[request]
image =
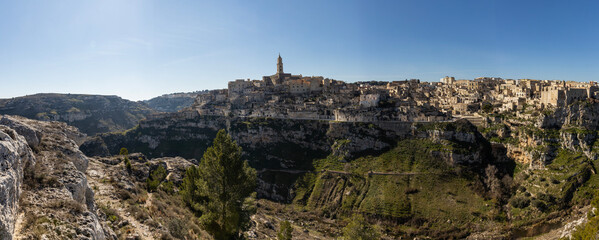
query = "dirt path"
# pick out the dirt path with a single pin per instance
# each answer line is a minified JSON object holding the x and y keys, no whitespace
{"x":105,"y":195}
{"x":291,"y":171}
{"x":342,"y":172}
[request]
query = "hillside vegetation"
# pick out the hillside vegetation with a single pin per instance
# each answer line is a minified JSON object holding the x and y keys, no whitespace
{"x":90,"y":113}
{"x":518,"y":174}
{"x":407,"y":187}
{"x":171,"y":102}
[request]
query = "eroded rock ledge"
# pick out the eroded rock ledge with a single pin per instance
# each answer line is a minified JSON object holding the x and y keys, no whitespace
{"x":43,"y":187}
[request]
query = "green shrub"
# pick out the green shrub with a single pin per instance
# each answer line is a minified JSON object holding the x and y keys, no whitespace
{"x":128,"y":165}
{"x":168,"y":187}
{"x":111,"y":214}
{"x":547,"y":198}
{"x":540,"y":205}
{"x":124,"y":152}
{"x":155,"y":178}
{"x":487,"y":107}
{"x":113,"y":218}
{"x":520,"y":202}
{"x":358,"y":228}
{"x":285,"y":231}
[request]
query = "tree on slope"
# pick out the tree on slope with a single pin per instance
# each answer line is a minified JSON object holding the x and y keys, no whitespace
{"x":222,"y":189}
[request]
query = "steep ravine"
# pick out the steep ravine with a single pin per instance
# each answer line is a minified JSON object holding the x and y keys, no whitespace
{"x":555,"y":151}
{"x":275,"y":144}
{"x":433,"y":179}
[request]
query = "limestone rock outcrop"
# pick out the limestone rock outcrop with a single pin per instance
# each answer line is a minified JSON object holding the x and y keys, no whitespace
{"x":465,"y":145}
{"x":43,"y":186}
{"x":572,"y":127}
{"x":14,"y":155}
{"x":273,"y":146}
{"x":582,"y":113}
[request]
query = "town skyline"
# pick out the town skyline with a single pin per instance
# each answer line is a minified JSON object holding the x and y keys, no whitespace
{"x":139,"y":50}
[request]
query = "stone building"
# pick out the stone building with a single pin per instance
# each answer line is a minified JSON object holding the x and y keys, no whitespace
{"x":448,"y":80}
{"x":560,"y":93}
{"x":280,"y":77}
{"x":284,"y":95}
{"x":370,"y":100}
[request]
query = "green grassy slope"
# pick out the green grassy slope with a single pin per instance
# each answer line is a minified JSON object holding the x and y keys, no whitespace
{"x":424,"y":194}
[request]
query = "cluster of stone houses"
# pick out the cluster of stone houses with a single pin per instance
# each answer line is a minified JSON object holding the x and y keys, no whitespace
{"x":284,"y":95}
{"x":509,"y":94}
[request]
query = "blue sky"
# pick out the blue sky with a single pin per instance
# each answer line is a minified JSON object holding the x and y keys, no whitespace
{"x":142,"y":49}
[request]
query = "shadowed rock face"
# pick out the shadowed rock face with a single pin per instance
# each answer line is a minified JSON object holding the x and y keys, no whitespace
{"x":90,"y":113}
{"x":267,"y":143}
{"x":43,"y":180}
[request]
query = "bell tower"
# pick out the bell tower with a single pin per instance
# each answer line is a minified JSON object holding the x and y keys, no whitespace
{"x":280,"y":65}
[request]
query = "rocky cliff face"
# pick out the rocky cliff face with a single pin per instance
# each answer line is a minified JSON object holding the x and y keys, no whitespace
{"x":267,"y":143}
{"x":15,"y":154}
{"x":583,"y":113}
{"x":90,"y":113}
{"x":577,"y":125}
{"x":573,"y":127}
{"x":464,"y":144}
{"x":44,"y":183}
{"x":279,"y":144}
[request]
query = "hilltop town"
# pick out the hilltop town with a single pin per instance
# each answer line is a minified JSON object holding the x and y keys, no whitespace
{"x":487,"y":158}
{"x":284,"y":95}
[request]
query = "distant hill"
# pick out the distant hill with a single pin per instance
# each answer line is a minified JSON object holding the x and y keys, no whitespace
{"x":172,"y":102}
{"x":90,"y":113}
